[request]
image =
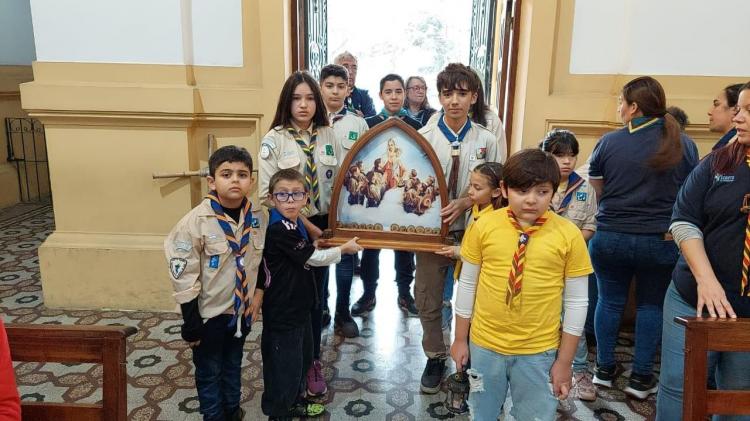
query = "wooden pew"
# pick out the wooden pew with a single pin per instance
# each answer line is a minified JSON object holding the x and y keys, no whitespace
{"x":76,"y":344}
{"x":702,"y":335}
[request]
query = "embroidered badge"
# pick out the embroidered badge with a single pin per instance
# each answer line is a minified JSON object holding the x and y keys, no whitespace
{"x":254,"y":223}
{"x":353,"y":135}
{"x":329,"y":174}
{"x":472,"y":157}
{"x":184,"y":246}
{"x":581,"y":196}
{"x":481,"y":153}
{"x":329,"y":150}
{"x":177,"y":265}
{"x":265,"y":151}
{"x":213,"y":262}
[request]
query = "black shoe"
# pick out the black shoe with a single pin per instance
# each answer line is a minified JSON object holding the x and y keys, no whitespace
{"x":237,"y":415}
{"x":325,"y":319}
{"x":432,"y":375}
{"x":345,"y":325}
{"x":406,"y":303}
{"x":604,"y":376}
{"x":363,"y":305}
{"x":640,"y":386}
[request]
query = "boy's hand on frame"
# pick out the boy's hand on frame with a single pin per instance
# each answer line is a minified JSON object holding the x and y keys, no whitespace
{"x":351,"y":246}
{"x":561,"y":376}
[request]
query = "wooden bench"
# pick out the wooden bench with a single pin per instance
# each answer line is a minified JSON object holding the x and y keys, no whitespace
{"x":701,"y":336}
{"x":76,"y":344}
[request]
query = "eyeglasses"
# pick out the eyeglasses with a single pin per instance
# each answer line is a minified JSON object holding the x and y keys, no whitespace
{"x":417,"y":88}
{"x":284,"y":196}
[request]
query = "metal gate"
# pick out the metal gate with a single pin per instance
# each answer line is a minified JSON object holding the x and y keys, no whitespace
{"x":27,"y":149}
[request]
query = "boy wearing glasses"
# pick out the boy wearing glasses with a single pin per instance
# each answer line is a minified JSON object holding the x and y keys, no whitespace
{"x":287,"y":292}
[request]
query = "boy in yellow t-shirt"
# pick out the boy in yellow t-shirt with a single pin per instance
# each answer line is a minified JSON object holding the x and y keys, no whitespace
{"x":519,"y":262}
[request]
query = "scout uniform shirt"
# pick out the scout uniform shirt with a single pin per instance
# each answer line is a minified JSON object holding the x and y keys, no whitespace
{"x":348,"y":128}
{"x":575,"y":200}
{"x":279,"y":150}
{"x":478,"y":146}
{"x":201,"y":263}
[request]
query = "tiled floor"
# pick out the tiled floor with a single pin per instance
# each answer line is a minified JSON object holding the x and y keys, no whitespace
{"x":374,"y":377}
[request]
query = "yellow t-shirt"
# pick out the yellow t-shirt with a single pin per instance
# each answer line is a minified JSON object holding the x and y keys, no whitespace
{"x":556,"y":252}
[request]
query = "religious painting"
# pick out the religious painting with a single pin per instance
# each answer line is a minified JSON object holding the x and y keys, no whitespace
{"x":389,"y":192}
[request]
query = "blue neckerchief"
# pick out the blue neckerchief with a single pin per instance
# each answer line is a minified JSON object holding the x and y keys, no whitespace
{"x":275,"y":216}
{"x":448,"y":133}
{"x":725,"y":139}
{"x":574,"y":181}
{"x":401,"y":113}
{"x":639,"y":123}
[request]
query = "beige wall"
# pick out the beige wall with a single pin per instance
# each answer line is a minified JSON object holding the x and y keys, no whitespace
{"x":548,"y":96}
{"x":10,"y":106}
{"x":110,"y":126}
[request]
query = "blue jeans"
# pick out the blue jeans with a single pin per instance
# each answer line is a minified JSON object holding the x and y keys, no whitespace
{"x":370,"y":271}
{"x":527,"y":375}
{"x":218,"y":360}
{"x":732,"y":371}
{"x":617,"y":258}
{"x":448,"y":296}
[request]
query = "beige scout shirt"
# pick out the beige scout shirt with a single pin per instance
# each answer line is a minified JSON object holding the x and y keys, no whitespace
{"x":582,"y":207}
{"x":190,"y":249}
{"x":478,"y":146}
{"x":348,"y":130}
{"x":279,"y":150}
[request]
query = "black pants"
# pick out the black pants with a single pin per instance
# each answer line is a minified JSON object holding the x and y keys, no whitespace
{"x":287,"y":355}
{"x":321,"y":284}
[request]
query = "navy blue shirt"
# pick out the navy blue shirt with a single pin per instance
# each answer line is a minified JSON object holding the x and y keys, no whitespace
{"x":636,"y":198}
{"x":379,"y":118}
{"x":724,"y":141}
{"x":360,"y":100}
{"x":712,"y":202}
{"x":423,"y":116}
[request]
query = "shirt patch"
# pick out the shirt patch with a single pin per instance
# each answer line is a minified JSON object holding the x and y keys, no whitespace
{"x":265,"y":151}
{"x":184,"y":246}
{"x":581,"y":196}
{"x":481,"y":153}
{"x":353,"y":135}
{"x":254,"y":223}
{"x":329,"y":150}
{"x":213,"y":262}
{"x":719,"y":178}
{"x":329,"y":174}
{"x":177,"y":266}
{"x":472,"y":157}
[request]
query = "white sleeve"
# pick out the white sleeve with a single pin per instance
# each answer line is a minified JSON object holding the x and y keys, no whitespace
{"x":325,"y":257}
{"x":466,"y":290}
{"x":576,"y":303}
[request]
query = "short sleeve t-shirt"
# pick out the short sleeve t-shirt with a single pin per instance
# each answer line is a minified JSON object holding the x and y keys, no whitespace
{"x":637,"y":199}
{"x":556,"y":252}
{"x":712,"y":202}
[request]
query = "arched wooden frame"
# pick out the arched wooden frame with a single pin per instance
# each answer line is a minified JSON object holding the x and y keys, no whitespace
{"x":407,"y":241}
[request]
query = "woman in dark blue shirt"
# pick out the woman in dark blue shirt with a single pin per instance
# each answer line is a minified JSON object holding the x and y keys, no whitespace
{"x":636,"y":172}
{"x":709,"y":223}
{"x":416,"y":103}
{"x":721,"y":112}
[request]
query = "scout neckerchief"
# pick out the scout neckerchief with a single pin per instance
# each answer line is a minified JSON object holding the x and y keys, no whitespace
{"x":724,"y":141}
{"x":746,"y":251}
{"x":337,"y":116}
{"x":401,"y":113}
{"x":455,"y":142}
{"x":639,"y":123}
{"x":239,"y":247}
{"x":574,"y":182}
{"x":515,"y":278}
{"x":311,"y":171}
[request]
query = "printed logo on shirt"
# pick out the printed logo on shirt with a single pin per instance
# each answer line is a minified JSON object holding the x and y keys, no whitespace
{"x":213,"y":262}
{"x":353,"y":135}
{"x":581,"y":196}
{"x":481,"y":153}
{"x":720,"y":178}
{"x":290,"y":226}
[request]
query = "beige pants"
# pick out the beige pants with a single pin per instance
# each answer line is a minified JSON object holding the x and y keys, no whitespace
{"x":428,"y":296}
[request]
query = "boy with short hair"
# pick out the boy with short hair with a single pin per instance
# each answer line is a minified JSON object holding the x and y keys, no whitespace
{"x":460,"y":146}
{"x":515,"y":325}
{"x":287,"y":291}
{"x":347,"y":127}
{"x":393,"y":94}
{"x":213,"y":254}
